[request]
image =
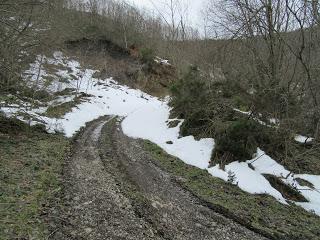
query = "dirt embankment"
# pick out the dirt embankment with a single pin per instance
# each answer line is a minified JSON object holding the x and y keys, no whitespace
{"x":123,"y":65}
{"x":114,"y":191}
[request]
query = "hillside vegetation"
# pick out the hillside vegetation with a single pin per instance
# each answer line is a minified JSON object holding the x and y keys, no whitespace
{"x":253,"y":87}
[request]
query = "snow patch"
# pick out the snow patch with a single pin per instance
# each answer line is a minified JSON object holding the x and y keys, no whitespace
{"x":162,"y":61}
{"x":302,"y":139}
{"x":149,"y":122}
{"x":252,"y":181}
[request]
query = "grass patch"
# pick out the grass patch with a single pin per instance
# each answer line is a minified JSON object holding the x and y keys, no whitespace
{"x":30,"y":169}
{"x":66,"y":91}
{"x":303,"y":182}
{"x":287,"y":191}
{"x":58,"y":111}
{"x":261,"y":213}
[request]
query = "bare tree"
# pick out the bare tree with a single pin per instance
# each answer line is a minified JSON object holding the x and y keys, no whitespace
{"x":16,"y":24}
{"x":278,"y":36}
{"x":174,"y":14}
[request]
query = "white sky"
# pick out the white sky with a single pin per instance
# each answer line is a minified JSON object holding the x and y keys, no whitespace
{"x":194,"y":8}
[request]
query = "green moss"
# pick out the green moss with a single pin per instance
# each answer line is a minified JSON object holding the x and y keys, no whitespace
{"x":30,"y":169}
{"x":259,"y":212}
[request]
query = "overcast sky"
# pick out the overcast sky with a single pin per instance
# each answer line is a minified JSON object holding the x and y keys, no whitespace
{"x":194,"y":8}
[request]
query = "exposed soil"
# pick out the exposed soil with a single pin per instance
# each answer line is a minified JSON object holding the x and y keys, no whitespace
{"x":99,"y":45}
{"x":114,"y":191}
{"x":113,"y":60}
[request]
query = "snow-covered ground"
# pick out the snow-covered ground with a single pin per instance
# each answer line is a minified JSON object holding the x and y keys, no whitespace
{"x":146,"y":117}
{"x":253,"y":181}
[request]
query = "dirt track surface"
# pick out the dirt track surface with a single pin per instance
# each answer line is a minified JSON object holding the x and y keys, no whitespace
{"x":114,"y":191}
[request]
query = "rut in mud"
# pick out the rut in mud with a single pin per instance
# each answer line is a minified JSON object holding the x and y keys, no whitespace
{"x":114,"y":191}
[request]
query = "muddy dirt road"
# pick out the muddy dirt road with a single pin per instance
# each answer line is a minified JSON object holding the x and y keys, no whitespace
{"x":114,"y":191}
